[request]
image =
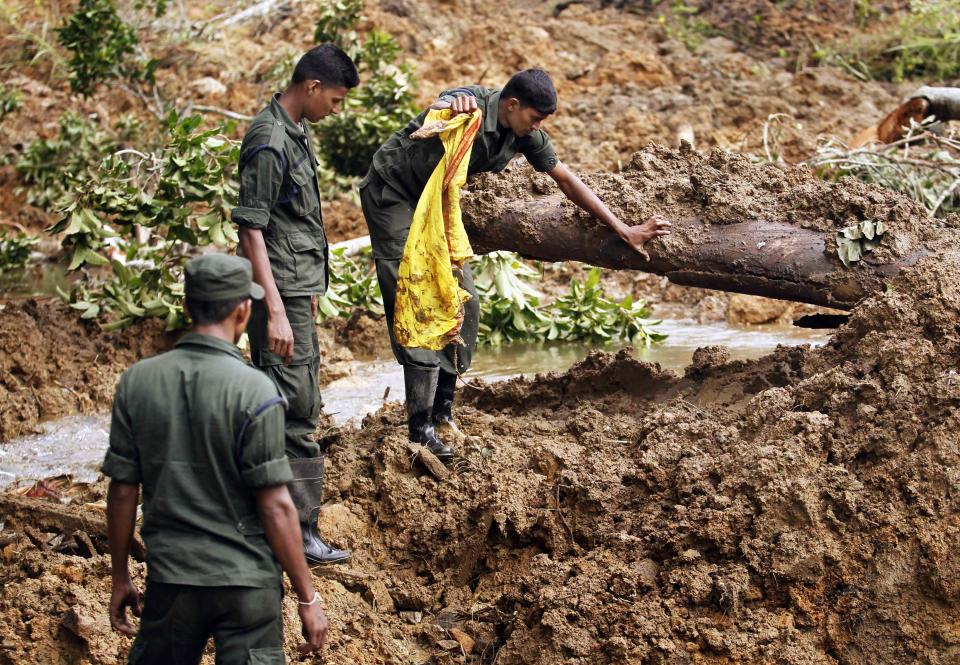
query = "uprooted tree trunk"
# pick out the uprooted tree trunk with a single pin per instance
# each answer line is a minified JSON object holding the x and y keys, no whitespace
{"x":763,"y":230}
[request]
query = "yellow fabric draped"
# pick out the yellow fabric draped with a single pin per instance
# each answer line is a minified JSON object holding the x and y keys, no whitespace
{"x":429,"y":306}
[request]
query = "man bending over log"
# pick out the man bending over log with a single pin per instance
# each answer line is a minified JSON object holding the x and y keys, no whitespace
{"x":389,"y":194}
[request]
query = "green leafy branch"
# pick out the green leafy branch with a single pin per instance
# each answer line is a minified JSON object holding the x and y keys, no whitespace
{"x":381,"y":105}
{"x":15,"y":251}
{"x":141,"y":214}
{"x":52,"y":167}
{"x":353,"y":283}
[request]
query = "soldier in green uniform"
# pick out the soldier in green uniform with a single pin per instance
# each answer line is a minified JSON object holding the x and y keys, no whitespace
{"x":389,"y":194}
{"x":202,"y":432}
{"x":281,"y":232}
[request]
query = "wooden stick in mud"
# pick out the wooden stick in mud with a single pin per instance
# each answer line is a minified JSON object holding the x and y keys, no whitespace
{"x":776,"y":260}
{"x":45,"y":515}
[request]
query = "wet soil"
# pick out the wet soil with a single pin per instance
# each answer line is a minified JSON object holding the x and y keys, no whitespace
{"x":799,"y":508}
{"x":53,"y":364}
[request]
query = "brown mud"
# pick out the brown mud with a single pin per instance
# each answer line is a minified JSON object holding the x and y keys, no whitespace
{"x":800,"y":508}
{"x":53,"y":364}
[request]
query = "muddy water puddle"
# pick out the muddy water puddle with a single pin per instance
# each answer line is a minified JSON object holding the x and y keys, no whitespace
{"x":75,"y":445}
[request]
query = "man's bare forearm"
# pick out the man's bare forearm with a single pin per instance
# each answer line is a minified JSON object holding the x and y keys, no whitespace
{"x":578,"y":192}
{"x":255,"y":249}
{"x":282,"y":530}
{"x":121,"y":522}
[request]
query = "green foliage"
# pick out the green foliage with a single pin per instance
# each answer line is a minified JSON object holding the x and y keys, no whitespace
{"x":103,"y":47}
{"x":510,"y":310}
{"x":353,"y":283}
{"x":683,"y":23}
{"x":337,"y":22}
{"x":925,"y":45}
{"x":14,"y":251}
{"x":587,"y":315}
{"x":10,"y":100}
{"x":179,"y":192}
{"x":509,"y":306}
{"x":50,"y":167}
{"x":381,"y":105}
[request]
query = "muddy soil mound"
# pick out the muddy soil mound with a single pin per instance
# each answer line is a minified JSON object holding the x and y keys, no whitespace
{"x":53,"y":364}
{"x":795,"y":509}
{"x":800,"y":508}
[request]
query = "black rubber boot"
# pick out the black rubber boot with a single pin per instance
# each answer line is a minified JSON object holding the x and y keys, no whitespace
{"x":420,"y":384}
{"x":306,"y":490}
{"x":443,"y":409}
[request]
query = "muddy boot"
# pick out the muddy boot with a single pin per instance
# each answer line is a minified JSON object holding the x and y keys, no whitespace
{"x":443,"y":409}
{"x":306,"y":490}
{"x":420,"y":384}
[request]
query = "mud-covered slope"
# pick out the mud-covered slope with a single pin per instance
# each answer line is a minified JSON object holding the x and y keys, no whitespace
{"x":801,"y":508}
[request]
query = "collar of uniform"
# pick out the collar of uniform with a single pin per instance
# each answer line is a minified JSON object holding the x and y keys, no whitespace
{"x":491,"y":120}
{"x":209,"y":342}
{"x":295,"y":130}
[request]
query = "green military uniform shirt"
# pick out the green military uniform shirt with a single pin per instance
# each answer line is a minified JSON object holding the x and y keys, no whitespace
{"x":279,"y":194}
{"x":176,"y":421}
{"x":405,"y":164}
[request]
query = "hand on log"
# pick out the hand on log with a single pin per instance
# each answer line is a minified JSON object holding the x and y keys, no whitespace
{"x":638,"y":236}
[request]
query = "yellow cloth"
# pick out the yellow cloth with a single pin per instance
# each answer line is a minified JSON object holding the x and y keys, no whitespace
{"x":429,"y":306}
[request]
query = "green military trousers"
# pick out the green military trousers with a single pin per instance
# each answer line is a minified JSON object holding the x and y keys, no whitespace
{"x":388,"y":215}
{"x":246,"y":624}
{"x":297,"y":380}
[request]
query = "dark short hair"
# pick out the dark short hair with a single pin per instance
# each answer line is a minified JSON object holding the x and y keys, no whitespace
{"x":328,"y":64}
{"x":532,"y":87}
{"x":208,"y":312}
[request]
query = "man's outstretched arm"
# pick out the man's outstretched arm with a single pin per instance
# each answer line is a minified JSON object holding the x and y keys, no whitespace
{"x":121,"y":521}
{"x":282,"y":530}
{"x":578,"y":192}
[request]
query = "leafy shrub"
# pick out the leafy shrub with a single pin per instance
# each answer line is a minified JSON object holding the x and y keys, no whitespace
{"x":925,"y":45}
{"x":510,"y":309}
{"x":353,"y":283}
{"x":103,"y":47}
{"x":587,"y":315}
{"x":10,"y":100}
{"x":381,"y":105}
{"x":14,"y":250}
{"x":51,"y":167}
{"x":509,"y":306}
{"x":179,"y":191}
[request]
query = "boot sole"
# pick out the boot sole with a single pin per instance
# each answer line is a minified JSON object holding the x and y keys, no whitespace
{"x":313,"y":563}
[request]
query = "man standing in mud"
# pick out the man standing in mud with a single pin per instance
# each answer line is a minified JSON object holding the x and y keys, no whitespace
{"x":202,"y":432}
{"x":389,"y":194}
{"x":281,"y":232}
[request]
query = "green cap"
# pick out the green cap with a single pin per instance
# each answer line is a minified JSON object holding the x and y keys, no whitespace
{"x":216,"y":277}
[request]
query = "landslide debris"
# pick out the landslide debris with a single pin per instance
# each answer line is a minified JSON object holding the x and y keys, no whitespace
{"x":799,"y":508}
{"x":54,"y":364}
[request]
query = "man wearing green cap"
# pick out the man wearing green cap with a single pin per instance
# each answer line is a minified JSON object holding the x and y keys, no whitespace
{"x":203,"y":434}
{"x":281,"y":232}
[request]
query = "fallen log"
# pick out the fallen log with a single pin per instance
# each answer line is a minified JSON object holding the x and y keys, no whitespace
{"x":758,"y":229}
{"x":43,"y":515}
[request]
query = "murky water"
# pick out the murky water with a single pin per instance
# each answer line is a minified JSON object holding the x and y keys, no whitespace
{"x":39,"y":279}
{"x":75,"y":445}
